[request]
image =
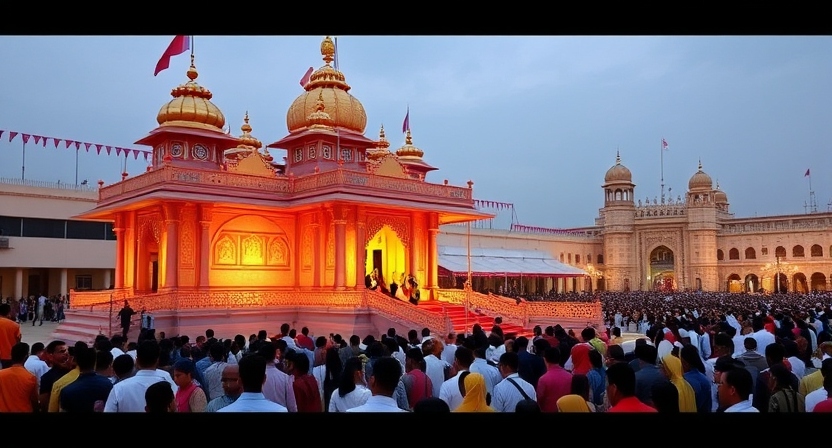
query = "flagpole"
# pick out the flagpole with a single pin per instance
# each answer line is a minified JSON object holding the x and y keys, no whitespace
{"x":23,"y":168}
{"x":661,"y":151}
{"x":192,"y":47}
{"x":76,"y":166}
{"x":468,"y":285}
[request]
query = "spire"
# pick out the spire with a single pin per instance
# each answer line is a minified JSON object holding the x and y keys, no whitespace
{"x":700,"y":164}
{"x":192,"y":73}
{"x":320,"y":118}
{"x":328,"y":50}
{"x":617,"y":157}
{"x":408,"y":140}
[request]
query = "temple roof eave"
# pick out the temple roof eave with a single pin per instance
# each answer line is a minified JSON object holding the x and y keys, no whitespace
{"x":346,"y":137}
{"x":157,"y":134}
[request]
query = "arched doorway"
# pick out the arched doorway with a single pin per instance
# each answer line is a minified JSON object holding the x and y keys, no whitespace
{"x":818,"y":282}
{"x":800,"y":283}
{"x":734,"y":283}
{"x":662,"y":268}
{"x":386,"y":252}
{"x":751,"y":283}
{"x":782,"y":284}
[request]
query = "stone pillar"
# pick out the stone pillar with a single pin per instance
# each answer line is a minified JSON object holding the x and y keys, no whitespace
{"x":340,"y":249}
{"x":204,"y":244}
{"x":318,"y":257}
{"x":433,"y":257}
{"x":415,"y":249}
{"x":360,"y":247}
{"x":63,"y":290}
{"x":108,"y":278}
{"x":18,"y":283}
{"x":119,"y":231}
{"x":171,"y":259}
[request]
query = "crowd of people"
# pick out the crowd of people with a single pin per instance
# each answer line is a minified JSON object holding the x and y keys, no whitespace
{"x":695,"y":352}
{"x":37,"y":309}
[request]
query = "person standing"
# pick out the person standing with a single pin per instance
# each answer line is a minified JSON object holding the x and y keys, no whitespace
{"x":253,"y":376}
{"x":512,"y":389}
{"x":383,"y":383}
{"x":41,"y":305}
{"x":90,"y":390}
{"x":126,"y":314}
{"x":128,"y":395}
{"x":231,"y":386}
{"x":9,"y":335}
{"x":18,"y":387}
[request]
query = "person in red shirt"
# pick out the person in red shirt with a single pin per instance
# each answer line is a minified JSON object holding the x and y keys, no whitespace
{"x":825,"y":405}
{"x":305,"y":386}
{"x":555,"y":383}
{"x":304,"y":340}
{"x":621,"y":390}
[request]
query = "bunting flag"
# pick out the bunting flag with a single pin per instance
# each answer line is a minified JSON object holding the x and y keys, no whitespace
{"x":406,"y":122}
{"x":807,"y":173}
{"x":306,"y":76}
{"x":664,"y":144}
{"x":547,"y":230}
{"x":67,"y":143}
{"x":492,"y":204}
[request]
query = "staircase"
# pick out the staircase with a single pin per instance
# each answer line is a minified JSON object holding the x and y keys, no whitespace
{"x":456,"y":313}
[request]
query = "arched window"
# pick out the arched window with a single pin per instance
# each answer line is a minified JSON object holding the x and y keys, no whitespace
{"x":561,"y":257}
{"x":780,"y":252}
{"x":600,"y":259}
{"x":750,"y":254}
{"x":797,"y":251}
{"x":569,"y":258}
{"x":617,"y":195}
{"x":734,"y":254}
{"x":589,"y":258}
{"x":720,"y":255}
{"x":577,"y":259}
{"x":817,"y":250}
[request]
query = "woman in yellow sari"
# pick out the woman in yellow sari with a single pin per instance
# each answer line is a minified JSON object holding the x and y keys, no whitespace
{"x":672,"y":368}
{"x":472,"y":387}
{"x":572,"y":403}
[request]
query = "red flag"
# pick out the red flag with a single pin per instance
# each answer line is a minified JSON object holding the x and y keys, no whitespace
{"x":56,"y":141}
{"x":1,"y":133}
{"x":97,"y":149}
{"x":68,"y":142}
{"x":37,"y":138}
{"x":43,"y":140}
{"x":306,"y":77}
{"x":87,"y":147}
{"x":26,"y":138}
{"x":664,"y":144}
{"x":109,"y":149}
{"x":146,"y":154}
{"x":807,"y":172}
{"x":135,"y":154}
{"x":77,"y":146}
{"x":178,"y":45}
{"x":12,"y":135}
{"x":118,"y":151}
{"x":406,"y":123}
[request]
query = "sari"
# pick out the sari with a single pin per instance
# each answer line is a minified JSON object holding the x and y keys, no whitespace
{"x":572,"y":403}
{"x":673,"y":369}
{"x":474,"y":399}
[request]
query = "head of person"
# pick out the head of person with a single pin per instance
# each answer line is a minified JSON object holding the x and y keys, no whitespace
{"x":85,"y":359}
{"x":509,"y":363}
{"x":734,"y":386}
{"x":20,"y":352}
{"x":621,"y":382}
{"x":414,"y":360}
{"x":231,"y":384}
{"x":527,"y":406}
{"x":252,"y":370}
{"x":123,"y":366}
{"x":385,"y":377}
{"x":552,"y":356}
{"x":159,"y":398}
{"x":147,"y":355}
{"x":183,"y":373}
{"x":352,"y":375}
{"x":433,"y":405}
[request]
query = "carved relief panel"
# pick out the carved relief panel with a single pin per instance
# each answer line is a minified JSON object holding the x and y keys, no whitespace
{"x":187,"y":235}
{"x":251,"y":242}
{"x":400,"y":225}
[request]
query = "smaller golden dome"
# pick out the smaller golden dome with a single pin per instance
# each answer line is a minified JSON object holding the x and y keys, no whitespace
{"x":247,"y":139}
{"x":408,"y":150}
{"x":191,"y":106}
{"x":700,"y":180}
{"x":618,"y":172}
{"x":719,"y":196}
{"x":319,"y":118}
{"x":381,"y":147}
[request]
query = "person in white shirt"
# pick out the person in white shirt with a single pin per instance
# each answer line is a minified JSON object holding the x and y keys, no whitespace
{"x":435,"y":368}
{"x":128,"y":395}
{"x":816,"y":396}
{"x":35,"y":363}
{"x":512,"y":389}
{"x":383,"y":383}
{"x":253,"y":376}
{"x":763,"y":336}
{"x":41,"y":304}
{"x":450,"y":348}
{"x":734,"y":390}
{"x":351,"y":391}
{"x":118,"y":346}
{"x":449,"y":392}
{"x":278,"y":386}
{"x":489,"y":372}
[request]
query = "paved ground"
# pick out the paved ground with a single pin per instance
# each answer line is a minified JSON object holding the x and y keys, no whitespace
{"x":38,"y":333}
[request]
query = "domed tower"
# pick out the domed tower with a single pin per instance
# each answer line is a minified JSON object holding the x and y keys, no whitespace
{"x":411,"y":157}
{"x":246,"y":157}
{"x":190,"y":131}
{"x":326,"y":124}
{"x":382,"y":147}
{"x":720,"y":199}
{"x":702,"y":229}
{"x":618,"y":217}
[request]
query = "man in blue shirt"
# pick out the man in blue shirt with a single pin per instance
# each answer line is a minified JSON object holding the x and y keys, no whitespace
{"x":89,"y":392}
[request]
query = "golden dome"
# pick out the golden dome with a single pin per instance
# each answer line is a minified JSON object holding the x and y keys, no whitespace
{"x":618,"y":172}
{"x":247,"y":142}
{"x":191,"y":106}
{"x":408,"y":150}
{"x":329,"y":85}
{"x":719,"y":196}
{"x":381,"y":147}
{"x":700,"y":180}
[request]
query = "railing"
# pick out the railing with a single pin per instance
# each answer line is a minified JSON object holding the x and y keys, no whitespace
{"x":777,"y":226}
{"x":44,"y":184}
{"x":285,"y":186}
{"x":522,"y":313}
{"x":376,"y":302}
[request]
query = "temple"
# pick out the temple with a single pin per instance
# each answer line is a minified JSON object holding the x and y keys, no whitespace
{"x":218,"y":233}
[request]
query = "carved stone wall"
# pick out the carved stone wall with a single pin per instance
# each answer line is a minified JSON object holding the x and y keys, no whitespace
{"x":252,"y":250}
{"x":400,"y":225}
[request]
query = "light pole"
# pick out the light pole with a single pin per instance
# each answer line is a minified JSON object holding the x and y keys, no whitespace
{"x":777,"y":281}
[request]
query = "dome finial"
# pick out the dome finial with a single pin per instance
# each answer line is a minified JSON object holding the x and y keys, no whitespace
{"x":328,"y":50}
{"x":617,"y":157}
{"x":700,"y":164}
{"x":192,"y":73}
{"x":381,"y":133}
{"x":717,"y":184}
{"x":408,"y":140}
{"x":246,"y":128}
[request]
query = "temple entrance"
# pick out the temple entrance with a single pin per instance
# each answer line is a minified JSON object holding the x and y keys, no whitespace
{"x":662,"y":268}
{"x":734,"y":283}
{"x":818,"y":282}
{"x":387,"y":254}
{"x":752,"y":283}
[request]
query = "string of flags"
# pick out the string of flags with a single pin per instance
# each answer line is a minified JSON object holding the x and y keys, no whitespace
{"x":492,"y":204}
{"x":532,"y":229}
{"x":42,"y":140}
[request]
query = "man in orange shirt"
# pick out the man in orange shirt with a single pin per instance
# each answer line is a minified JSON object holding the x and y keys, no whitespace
{"x":9,"y":335}
{"x":18,"y":387}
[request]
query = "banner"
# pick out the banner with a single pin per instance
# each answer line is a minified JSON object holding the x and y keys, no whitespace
{"x":42,"y":140}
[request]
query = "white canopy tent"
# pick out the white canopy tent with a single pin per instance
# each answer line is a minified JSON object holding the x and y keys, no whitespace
{"x":491,"y":262}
